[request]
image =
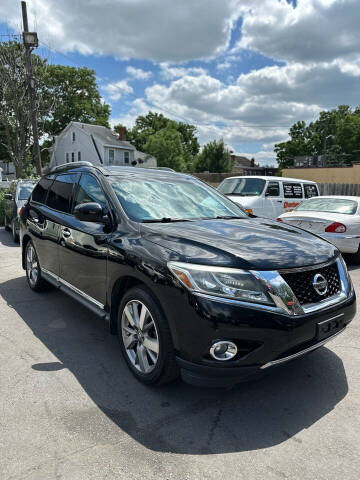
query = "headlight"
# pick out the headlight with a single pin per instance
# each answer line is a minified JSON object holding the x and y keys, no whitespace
{"x":222,"y":282}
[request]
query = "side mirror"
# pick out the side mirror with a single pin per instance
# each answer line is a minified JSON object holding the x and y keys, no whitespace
{"x":8,"y":196}
{"x":89,"y":212}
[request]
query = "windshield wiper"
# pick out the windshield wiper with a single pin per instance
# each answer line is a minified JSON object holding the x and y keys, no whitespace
{"x":228,"y":217}
{"x":164,"y":220}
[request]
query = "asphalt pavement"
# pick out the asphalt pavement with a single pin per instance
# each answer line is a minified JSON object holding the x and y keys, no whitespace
{"x":71,"y":410}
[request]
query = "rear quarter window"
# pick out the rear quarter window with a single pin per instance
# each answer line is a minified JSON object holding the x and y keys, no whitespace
{"x":40,"y":191}
{"x":310,"y":190}
{"x":61,"y":191}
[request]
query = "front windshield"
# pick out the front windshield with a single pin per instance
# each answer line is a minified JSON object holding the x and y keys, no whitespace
{"x":25,"y":191}
{"x":243,"y":187}
{"x":152,"y":199}
{"x":329,"y":205}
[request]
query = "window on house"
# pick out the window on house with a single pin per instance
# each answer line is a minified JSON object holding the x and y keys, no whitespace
{"x":79,"y":156}
{"x":67,"y":158}
{"x":73,"y":157}
{"x":126,"y":157}
{"x":73,"y":136}
{"x":111,"y":157}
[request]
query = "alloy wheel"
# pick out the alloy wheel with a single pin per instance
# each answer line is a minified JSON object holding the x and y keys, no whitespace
{"x":32,"y":266}
{"x":140,"y":336}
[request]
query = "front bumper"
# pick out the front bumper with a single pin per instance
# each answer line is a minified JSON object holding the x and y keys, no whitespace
{"x":272,"y":339}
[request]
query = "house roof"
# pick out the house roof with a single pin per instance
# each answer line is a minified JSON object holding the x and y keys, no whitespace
{"x":104,"y":135}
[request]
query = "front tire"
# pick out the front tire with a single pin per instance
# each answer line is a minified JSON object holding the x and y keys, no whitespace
{"x":33,"y":271}
{"x":145,"y":338}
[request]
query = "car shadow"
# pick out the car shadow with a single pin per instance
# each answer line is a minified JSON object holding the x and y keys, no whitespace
{"x":177,"y":418}
{"x":6,"y":239}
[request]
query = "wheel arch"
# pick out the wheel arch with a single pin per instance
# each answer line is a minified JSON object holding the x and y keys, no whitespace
{"x":120,"y":287}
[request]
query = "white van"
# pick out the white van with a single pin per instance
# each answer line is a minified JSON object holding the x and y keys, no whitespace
{"x":267,"y":196}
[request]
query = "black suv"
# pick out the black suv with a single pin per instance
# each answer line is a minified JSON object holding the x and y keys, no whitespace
{"x":188,"y":281}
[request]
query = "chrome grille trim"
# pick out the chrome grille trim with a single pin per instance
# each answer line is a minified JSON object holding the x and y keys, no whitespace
{"x":309,"y":268}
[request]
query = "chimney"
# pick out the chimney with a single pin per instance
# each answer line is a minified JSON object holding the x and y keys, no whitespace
{"x":122,"y":133}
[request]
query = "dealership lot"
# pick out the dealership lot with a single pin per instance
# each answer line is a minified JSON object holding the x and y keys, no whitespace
{"x":70,"y":408}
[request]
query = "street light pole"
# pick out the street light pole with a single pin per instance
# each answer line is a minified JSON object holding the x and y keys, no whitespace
{"x":30,"y":40}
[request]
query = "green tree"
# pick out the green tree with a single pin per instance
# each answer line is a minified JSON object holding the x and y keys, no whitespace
{"x":16,"y":134}
{"x":75,"y":96}
{"x":214,"y":158}
{"x":64,"y":94}
{"x":147,"y":125}
{"x":335,"y":134}
{"x":165,"y":145}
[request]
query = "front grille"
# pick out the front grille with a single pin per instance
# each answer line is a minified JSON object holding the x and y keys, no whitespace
{"x":301,"y":283}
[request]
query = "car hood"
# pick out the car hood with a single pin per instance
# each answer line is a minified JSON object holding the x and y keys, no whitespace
{"x":251,"y":243}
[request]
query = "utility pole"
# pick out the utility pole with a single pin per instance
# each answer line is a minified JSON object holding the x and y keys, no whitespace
{"x":30,"y":41}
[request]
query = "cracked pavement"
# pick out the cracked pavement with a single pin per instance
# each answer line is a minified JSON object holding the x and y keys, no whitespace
{"x":71,"y":410}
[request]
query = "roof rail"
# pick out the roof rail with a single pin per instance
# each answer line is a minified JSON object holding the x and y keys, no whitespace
{"x":71,"y":165}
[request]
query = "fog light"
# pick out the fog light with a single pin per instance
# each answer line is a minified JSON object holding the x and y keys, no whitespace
{"x":223,"y":350}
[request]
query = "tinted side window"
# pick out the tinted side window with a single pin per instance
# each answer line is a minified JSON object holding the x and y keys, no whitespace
{"x":60,"y":193}
{"x":273,"y":189}
{"x":89,"y":190}
{"x":41,"y":189}
{"x":292,"y":190}
{"x":310,"y":191}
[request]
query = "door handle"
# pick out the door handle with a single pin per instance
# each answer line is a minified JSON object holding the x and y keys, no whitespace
{"x":66,"y":233}
{"x":279,"y":201}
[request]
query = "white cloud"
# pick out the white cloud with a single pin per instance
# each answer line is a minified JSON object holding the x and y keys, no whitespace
{"x":316,"y":30}
{"x":317,"y":42}
{"x":161,"y":30}
{"x":116,"y":90}
{"x":138,"y":73}
{"x":170,"y":72}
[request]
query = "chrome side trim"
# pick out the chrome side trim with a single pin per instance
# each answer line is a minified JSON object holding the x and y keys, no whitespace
{"x":303,"y":352}
{"x":75,"y":289}
{"x":306,"y":269}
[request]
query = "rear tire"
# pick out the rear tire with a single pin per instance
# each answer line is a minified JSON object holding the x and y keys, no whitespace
{"x":15,"y":235}
{"x":145,"y":338}
{"x":33,"y":271}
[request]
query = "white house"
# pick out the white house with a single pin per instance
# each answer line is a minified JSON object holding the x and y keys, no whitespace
{"x":97,"y":145}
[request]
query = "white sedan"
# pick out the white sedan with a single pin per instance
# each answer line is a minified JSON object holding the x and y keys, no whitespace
{"x":335,"y":218}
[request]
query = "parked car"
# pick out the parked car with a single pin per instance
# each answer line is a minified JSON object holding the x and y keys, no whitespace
{"x":188,"y":282}
{"x":15,"y":197}
{"x":267,"y":197}
{"x":334,"y":218}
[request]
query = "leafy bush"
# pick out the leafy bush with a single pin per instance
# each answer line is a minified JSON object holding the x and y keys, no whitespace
{"x":2,"y":193}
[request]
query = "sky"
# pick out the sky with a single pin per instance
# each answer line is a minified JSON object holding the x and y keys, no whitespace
{"x":243,"y":70}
